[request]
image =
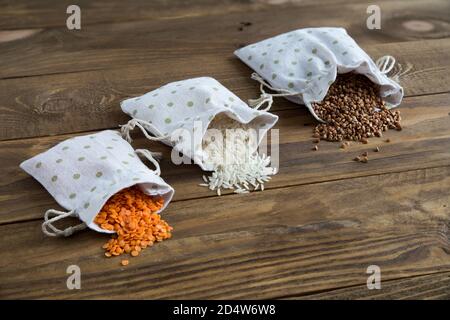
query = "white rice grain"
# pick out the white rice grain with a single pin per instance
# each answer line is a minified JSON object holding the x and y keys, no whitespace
{"x":237,"y":165}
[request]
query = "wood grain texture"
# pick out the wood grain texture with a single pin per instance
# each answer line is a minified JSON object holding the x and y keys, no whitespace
{"x":286,"y":241}
{"x":427,"y":287}
{"x":149,"y":43}
{"x":58,"y":104}
{"x":320,"y":222}
{"x":424,"y":143}
{"x":17,"y":14}
{"x":52,"y":13}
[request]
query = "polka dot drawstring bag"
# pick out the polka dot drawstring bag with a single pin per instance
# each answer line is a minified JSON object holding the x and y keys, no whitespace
{"x":301,"y":65}
{"x":179,"y":114}
{"x":83,"y":172}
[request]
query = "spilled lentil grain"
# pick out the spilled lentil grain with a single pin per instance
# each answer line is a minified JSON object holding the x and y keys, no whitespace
{"x":133,"y":216}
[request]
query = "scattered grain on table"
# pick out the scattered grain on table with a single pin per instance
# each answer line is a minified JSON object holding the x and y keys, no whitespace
{"x":236,"y":163}
{"x":133,"y":215}
{"x":354,"y":110}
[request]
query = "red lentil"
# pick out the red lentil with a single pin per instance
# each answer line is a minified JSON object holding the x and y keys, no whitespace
{"x":133,"y":215}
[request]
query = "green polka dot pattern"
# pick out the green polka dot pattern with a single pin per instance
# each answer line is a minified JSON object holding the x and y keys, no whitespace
{"x":196,"y":100}
{"x":309,"y":58}
{"x":78,"y":176}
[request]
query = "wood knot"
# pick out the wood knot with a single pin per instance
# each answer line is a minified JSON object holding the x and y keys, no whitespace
{"x":13,"y":35}
{"x":412,"y":27}
{"x":418,"y":25}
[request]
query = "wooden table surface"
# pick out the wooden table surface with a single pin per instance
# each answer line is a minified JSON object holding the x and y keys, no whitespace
{"x":320,"y":222}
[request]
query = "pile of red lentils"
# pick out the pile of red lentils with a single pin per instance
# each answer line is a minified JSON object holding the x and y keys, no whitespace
{"x":133,"y":215}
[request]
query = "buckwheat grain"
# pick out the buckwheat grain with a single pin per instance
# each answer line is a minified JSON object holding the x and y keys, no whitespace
{"x":354,"y":110}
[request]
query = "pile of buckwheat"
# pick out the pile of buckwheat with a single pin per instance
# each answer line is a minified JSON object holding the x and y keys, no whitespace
{"x":353,"y":110}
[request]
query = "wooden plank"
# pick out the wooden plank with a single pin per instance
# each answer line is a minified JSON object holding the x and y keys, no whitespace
{"x":17,"y":14}
{"x":106,"y":46}
{"x":47,"y":103}
{"x":287,"y":241}
{"x":424,"y":143}
{"x":50,"y":13}
{"x":323,"y":219}
{"x":428,"y":287}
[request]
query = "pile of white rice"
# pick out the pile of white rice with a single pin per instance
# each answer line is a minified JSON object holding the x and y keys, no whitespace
{"x":236,"y":163}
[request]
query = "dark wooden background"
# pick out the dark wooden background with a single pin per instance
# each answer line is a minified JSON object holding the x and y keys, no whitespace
{"x":320,"y":222}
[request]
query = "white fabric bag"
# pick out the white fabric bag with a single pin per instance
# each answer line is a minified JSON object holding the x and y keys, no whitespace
{"x":189,"y":105}
{"x":302,"y":64}
{"x":82,"y":173}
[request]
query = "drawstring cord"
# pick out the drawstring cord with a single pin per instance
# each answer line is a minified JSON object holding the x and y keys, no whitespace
{"x":151,"y":157}
{"x":50,"y":230}
{"x":55,"y":232}
{"x":130,"y":125}
{"x":267,"y":97}
{"x":47,"y":226}
{"x":385,"y":64}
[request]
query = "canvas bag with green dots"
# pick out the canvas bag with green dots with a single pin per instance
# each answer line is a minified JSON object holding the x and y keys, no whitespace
{"x":83,"y":172}
{"x":302,"y":64}
{"x":183,"y":105}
